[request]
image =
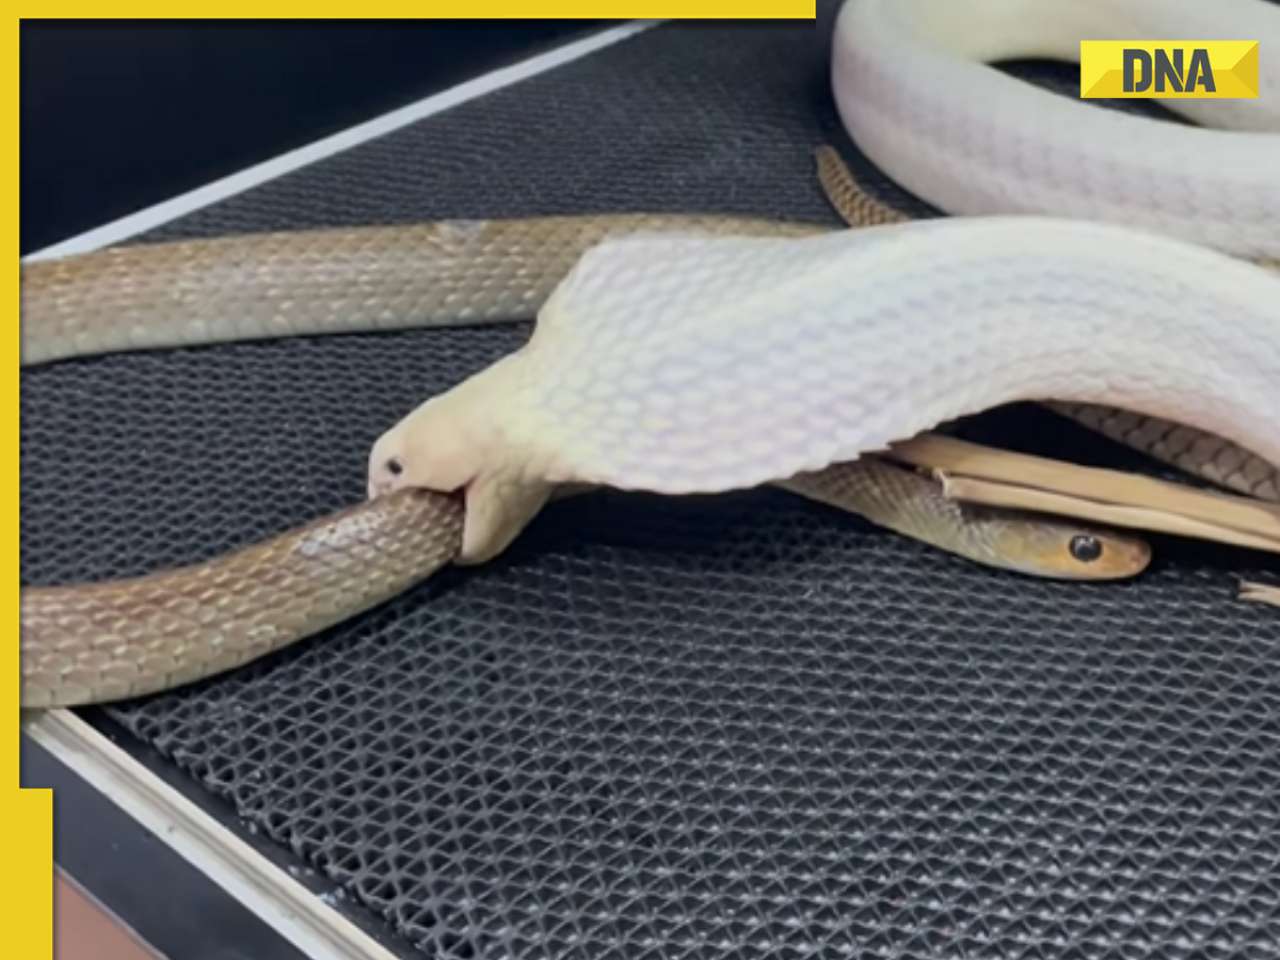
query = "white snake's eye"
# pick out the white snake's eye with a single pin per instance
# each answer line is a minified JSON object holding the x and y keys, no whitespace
{"x":395,"y":467}
{"x":1085,"y":548}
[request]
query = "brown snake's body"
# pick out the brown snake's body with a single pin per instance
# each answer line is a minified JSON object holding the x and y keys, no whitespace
{"x":124,"y":638}
{"x":106,"y":641}
{"x":316,"y":282}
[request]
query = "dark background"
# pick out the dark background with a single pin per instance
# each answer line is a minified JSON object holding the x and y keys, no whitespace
{"x":118,"y":116}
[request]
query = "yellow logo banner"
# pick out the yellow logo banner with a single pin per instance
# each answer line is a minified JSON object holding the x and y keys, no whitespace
{"x":1169,"y":69}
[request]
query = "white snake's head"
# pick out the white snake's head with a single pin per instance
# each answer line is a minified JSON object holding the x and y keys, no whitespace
{"x":456,"y":442}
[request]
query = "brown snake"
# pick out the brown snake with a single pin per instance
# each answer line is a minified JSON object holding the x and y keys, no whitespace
{"x":97,"y":642}
{"x":105,"y":641}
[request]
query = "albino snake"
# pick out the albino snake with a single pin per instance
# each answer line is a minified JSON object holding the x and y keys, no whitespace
{"x":723,"y":354}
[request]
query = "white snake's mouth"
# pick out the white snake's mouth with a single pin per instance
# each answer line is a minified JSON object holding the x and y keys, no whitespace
{"x":387,"y":468}
{"x":385,"y":471}
{"x":379,"y":486}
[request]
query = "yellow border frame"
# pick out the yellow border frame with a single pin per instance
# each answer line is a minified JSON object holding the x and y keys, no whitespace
{"x":491,"y":10}
{"x":26,"y":890}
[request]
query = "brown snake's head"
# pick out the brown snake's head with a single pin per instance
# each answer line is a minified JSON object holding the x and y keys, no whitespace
{"x":454,"y":442}
{"x":1068,"y":550}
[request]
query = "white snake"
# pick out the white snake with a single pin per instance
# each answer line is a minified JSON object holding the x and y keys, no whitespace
{"x":701,"y":364}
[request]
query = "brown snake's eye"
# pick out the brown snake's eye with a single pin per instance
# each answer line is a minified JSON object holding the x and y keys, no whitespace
{"x":1085,"y":548}
{"x":395,"y":467}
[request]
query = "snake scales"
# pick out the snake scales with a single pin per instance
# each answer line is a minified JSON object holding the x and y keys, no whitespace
{"x":114,"y":640}
{"x":98,"y":642}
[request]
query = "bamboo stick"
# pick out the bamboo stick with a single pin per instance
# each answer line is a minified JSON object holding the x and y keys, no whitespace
{"x":1256,"y":519}
{"x":1010,"y":495}
{"x":1260,"y":593}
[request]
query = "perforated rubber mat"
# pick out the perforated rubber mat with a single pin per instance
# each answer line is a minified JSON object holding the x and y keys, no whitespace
{"x":740,"y":726}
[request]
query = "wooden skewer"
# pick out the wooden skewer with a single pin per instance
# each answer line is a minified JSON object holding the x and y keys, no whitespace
{"x":1011,"y":495}
{"x":1260,"y":592}
{"x":1089,"y":488}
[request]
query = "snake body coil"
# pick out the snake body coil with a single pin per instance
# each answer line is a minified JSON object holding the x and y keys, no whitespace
{"x":949,"y":128}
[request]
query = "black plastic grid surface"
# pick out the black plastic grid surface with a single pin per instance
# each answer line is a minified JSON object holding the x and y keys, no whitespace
{"x":740,"y":726}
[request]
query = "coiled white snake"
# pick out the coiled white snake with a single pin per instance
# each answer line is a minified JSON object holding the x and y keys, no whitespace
{"x":914,"y":88}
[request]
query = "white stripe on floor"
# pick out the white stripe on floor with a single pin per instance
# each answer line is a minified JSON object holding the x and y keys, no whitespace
{"x":143,"y":220}
{"x":303,"y":918}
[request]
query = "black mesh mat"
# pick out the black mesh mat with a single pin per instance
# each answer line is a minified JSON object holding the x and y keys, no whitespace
{"x":738,"y":726}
